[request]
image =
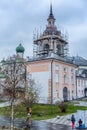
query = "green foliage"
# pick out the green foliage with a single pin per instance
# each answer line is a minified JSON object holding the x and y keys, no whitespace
{"x":2,"y":101}
{"x":32,"y":95}
{"x":40,"y":111}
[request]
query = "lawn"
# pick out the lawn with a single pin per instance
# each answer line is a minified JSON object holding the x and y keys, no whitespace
{"x":40,"y":111}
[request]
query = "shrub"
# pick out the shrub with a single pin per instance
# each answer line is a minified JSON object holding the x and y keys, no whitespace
{"x":62,"y":106}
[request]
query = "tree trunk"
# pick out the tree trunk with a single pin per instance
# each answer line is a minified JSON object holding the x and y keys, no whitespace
{"x":12,"y":115}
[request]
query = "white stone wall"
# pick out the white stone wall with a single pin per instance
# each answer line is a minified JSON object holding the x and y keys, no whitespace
{"x":41,"y":80}
{"x":41,"y":73}
{"x":80,"y":87}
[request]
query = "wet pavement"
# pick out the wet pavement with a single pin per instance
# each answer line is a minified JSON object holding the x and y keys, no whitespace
{"x":36,"y":125}
{"x":48,"y":126}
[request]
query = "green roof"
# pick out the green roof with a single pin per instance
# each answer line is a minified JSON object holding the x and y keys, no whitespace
{"x":20,"y":49}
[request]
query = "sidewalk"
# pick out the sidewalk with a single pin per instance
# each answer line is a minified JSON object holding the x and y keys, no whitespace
{"x":8,"y":103}
{"x":66,"y":120}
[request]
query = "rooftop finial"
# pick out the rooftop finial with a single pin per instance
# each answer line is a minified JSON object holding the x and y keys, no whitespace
{"x":50,"y":6}
{"x":50,"y":1}
{"x":51,"y":11}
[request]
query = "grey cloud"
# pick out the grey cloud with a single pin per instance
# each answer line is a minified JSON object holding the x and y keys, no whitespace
{"x":19,"y":18}
{"x":70,"y":13}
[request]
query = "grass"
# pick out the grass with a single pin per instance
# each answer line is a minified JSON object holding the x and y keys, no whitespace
{"x":40,"y":111}
{"x":2,"y":101}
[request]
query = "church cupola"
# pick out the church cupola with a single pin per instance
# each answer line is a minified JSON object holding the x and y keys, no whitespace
{"x":51,"y":27}
{"x":51,"y":41}
{"x":20,"y":50}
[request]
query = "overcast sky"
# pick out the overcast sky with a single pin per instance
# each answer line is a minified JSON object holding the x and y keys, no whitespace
{"x":19,"y":18}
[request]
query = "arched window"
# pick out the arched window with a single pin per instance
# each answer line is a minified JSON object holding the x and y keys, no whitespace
{"x":59,"y":49}
{"x":64,"y":78}
{"x":46,"y":47}
{"x":40,"y":47}
{"x":72,"y":79}
{"x":65,"y":93}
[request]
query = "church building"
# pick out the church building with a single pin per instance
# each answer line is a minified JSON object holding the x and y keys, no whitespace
{"x":50,"y":66}
{"x":58,"y":76}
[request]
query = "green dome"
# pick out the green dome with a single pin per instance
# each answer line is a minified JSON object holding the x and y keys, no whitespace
{"x":20,"y":49}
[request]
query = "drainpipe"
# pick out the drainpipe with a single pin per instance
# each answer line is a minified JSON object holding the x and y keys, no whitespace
{"x":76,"y":86}
{"x":51,"y":81}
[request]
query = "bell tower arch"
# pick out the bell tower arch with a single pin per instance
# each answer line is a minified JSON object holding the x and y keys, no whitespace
{"x":50,"y":41}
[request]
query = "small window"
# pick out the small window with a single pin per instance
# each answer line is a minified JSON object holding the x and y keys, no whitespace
{"x":57,"y":78}
{"x":65,"y":69}
{"x":82,"y":83}
{"x":49,"y":22}
{"x":72,"y":70}
{"x":78,"y":82}
{"x":64,"y":78}
{"x":72,"y":79}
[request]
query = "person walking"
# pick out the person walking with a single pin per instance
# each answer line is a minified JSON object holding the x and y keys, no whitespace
{"x":80,"y":123}
{"x":73,"y":121}
{"x":30,"y":111}
{"x":28,"y":122}
{"x":29,"y":115}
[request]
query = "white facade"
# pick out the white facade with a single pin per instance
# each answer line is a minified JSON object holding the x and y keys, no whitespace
{"x":54,"y":78}
{"x":41,"y":81}
{"x":81,"y":85}
{"x":81,"y":81}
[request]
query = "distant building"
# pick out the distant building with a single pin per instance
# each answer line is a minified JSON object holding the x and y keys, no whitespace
{"x":2,"y":77}
{"x":81,"y":76}
{"x":13,"y":68}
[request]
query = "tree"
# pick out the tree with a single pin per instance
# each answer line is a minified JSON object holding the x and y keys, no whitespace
{"x":32,"y":95}
{"x":17,"y":85}
{"x":13,"y":85}
{"x":62,"y":105}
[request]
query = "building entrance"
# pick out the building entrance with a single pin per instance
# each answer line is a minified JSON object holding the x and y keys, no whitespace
{"x":65,"y":94}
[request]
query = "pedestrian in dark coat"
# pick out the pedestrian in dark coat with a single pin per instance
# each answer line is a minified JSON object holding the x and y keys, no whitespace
{"x":28,"y":122}
{"x":80,"y":123}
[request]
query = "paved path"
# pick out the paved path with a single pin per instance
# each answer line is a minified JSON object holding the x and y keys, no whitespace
{"x":65,"y":120}
{"x":81,"y":103}
{"x":36,"y":125}
{"x":8,"y":103}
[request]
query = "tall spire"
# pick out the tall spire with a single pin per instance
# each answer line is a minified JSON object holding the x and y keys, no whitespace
{"x":51,"y":7}
{"x":51,"y":16}
{"x":51,"y":28}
